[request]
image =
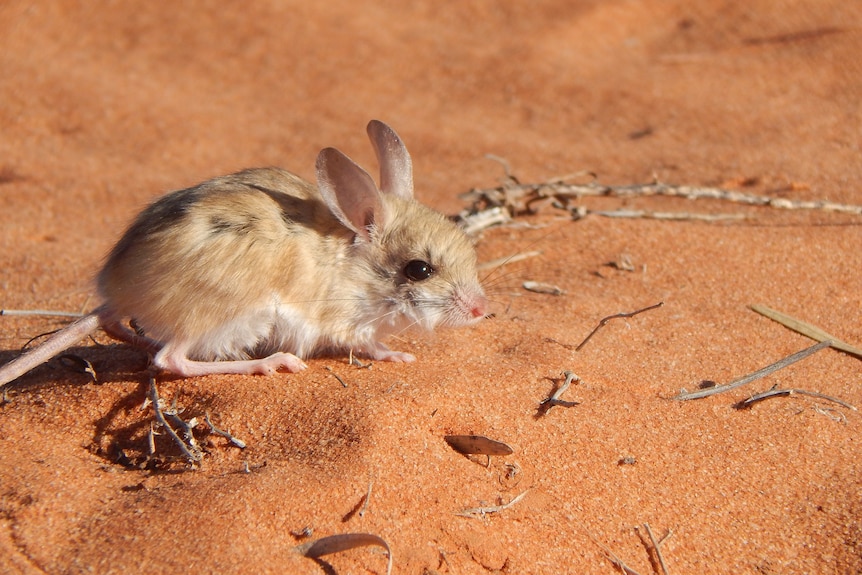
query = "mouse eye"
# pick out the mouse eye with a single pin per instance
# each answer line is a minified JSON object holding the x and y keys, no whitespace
{"x":417,"y":270}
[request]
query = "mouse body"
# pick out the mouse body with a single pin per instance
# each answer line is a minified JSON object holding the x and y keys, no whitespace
{"x":256,"y":271}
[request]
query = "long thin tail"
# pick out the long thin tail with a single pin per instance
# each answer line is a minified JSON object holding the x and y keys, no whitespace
{"x":60,"y":341}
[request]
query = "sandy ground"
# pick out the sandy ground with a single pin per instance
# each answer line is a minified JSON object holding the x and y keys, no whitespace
{"x":104,"y":107}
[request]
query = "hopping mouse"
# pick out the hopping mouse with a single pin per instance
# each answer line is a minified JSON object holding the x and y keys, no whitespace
{"x":256,"y":271}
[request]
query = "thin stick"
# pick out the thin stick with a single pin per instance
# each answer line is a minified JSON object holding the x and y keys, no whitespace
{"x":160,"y":419}
{"x":226,"y":434}
{"x":790,"y":359}
{"x":570,"y":377}
{"x":657,"y":548}
{"x":364,"y":507}
{"x":788,"y":392}
{"x":666,"y":537}
{"x":546,"y":404}
{"x":151,"y":441}
{"x":615,"y":316}
{"x":353,"y":360}
{"x":335,"y":375}
{"x":805,"y":329}
{"x":674,"y":216}
{"x":517,"y":197}
{"x":480,"y":511}
{"x":619,"y":563}
{"x":187,"y":429}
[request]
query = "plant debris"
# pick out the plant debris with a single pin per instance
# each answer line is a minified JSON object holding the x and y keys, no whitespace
{"x":512,"y":198}
{"x":806,"y":329}
{"x":477,"y":445}
{"x":782,"y":363}
{"x":482,"y":511}
{"x":539,"y":287}
{"x":554,"y":400}
{"x":79,"y":365}
{"x":187,"y":445}
{"x":615,"y":316}
{"x":774,"y":392}
{"x":343,"y":542}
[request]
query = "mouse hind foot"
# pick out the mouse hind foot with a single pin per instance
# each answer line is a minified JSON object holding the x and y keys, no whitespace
{"x":381,"y":352}
{"x":174,"y":359}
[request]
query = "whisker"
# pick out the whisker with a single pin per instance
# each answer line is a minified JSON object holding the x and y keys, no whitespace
{"x":493,"y":265}
{"x":516,"y":257}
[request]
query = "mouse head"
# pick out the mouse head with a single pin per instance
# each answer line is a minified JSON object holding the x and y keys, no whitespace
{"x":427,"y":263}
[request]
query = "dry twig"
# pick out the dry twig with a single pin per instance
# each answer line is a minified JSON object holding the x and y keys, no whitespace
{"x":684,"y":396}
{"x":657,"y":546}
{"x":618,"y":563}
{"x":482,"y":511}
{"x":191,"y":451}
{"x":788,"y":392}
{"x":335,"y":375}
{"x":615,"y":316}
{"x":554,"y":400}
{"x":518,"y":198}
{"x":226,"y":434}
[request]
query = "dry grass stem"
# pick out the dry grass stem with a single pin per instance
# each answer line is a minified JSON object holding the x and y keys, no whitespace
{"x":806,"y":329}
{"x":518,"y":198}
{"x":788,"y":392}
{"x":672,"y":216}
{"x":657,"y":546}
{"x":554,"y":400}
{"x":684,"y":396}
{"x":618,"y":563}
{"x":364,"y":507}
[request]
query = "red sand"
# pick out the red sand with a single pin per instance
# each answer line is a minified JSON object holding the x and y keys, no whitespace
{"x":104,"y":107}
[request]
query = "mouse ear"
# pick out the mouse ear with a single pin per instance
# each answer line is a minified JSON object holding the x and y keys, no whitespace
{"x":348,"y":191}
{"x":396,"y":168}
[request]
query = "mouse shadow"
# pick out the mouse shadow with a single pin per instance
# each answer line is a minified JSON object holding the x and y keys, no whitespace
{"x":97,"y":364}
{"x":122,"y":435}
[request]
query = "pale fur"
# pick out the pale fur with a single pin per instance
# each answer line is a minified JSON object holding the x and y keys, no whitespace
{"x":262,"y":264}
{"x":305,"y":288}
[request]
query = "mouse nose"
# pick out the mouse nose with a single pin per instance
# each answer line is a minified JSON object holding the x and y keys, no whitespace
{"x":480,"y":304}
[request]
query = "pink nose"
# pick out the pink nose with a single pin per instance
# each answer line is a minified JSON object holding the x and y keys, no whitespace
{"x":478,"y":309}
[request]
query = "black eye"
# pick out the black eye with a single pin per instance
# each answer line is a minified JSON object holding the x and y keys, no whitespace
{"x":417,"y":270}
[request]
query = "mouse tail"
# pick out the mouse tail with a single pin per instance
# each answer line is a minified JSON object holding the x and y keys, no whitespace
{"x":60,"y":341}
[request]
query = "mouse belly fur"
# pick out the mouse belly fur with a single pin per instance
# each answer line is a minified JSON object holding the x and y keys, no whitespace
{"x":284,"y":328}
